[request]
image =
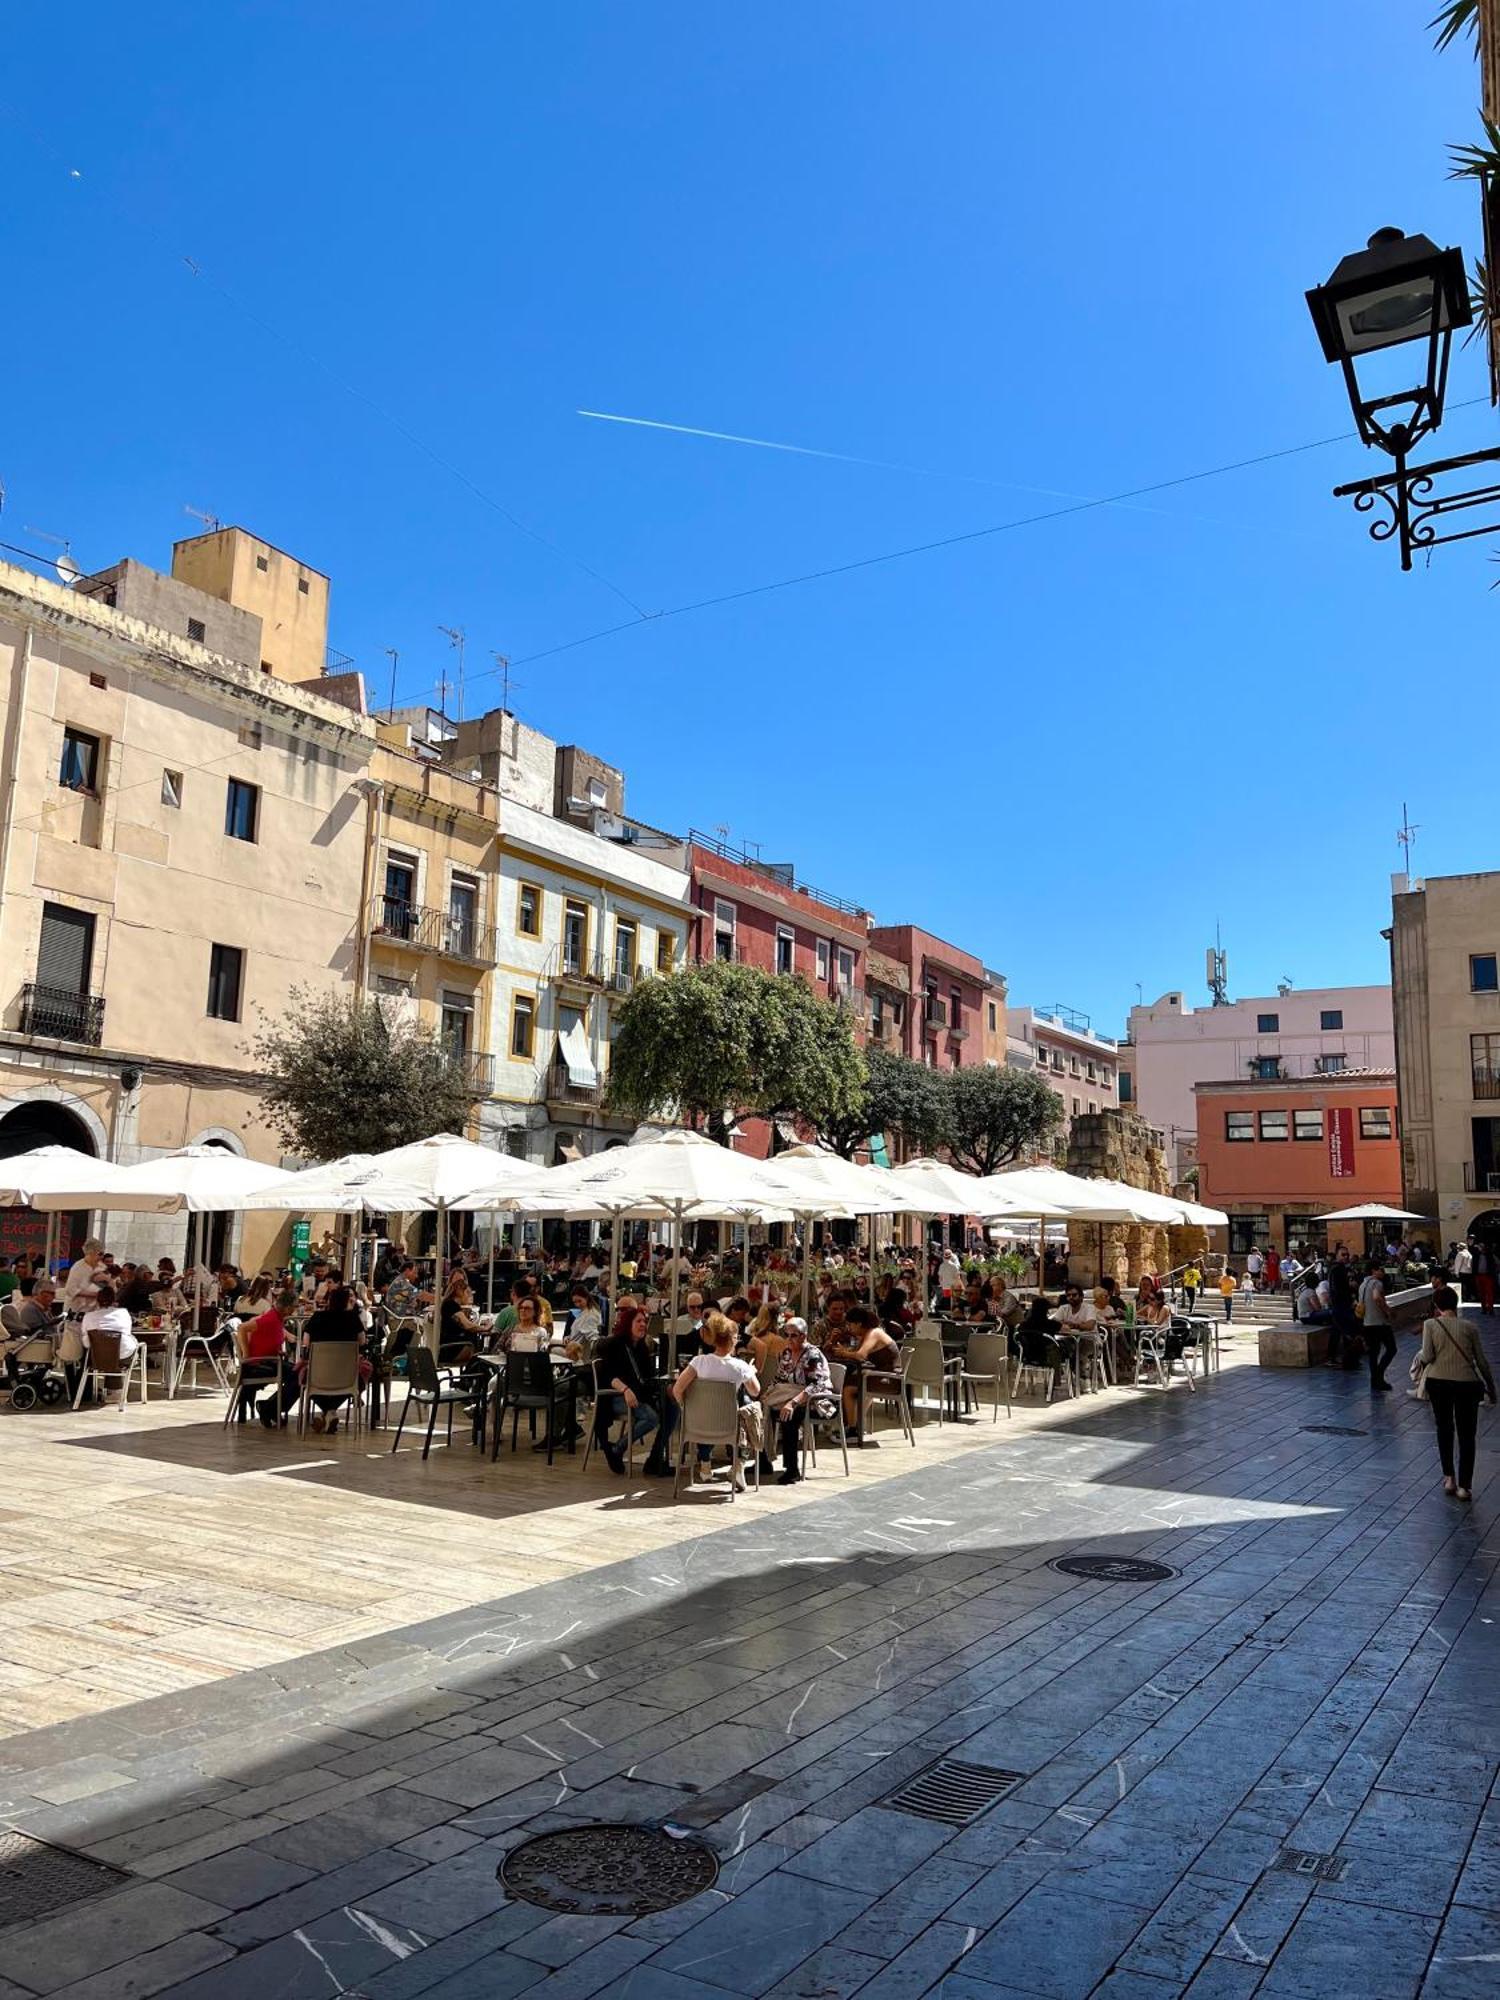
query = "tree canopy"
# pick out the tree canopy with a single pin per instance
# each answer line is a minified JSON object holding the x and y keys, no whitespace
{"x":903,"y":1098}
{"x":342,"y":1078}
{"x":995,"y":1114}
{"x":722,"y":1040}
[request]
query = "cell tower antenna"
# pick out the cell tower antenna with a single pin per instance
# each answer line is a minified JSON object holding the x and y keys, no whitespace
{"x":457,"y":639}
{"x":1406,"y":837}
{"x":1218,"y":970}
{"x":394,"y":657}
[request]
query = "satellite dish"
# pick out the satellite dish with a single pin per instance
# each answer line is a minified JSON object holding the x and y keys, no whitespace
{"x":67,"y":570}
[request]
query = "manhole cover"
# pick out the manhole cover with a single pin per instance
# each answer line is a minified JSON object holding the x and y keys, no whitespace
{"x":1335,"y":1431}
{"x":36,"y":1879}
{"x":608,"y":1871}
{"x":1113,"y":1569}
{"x":954,"y":1792}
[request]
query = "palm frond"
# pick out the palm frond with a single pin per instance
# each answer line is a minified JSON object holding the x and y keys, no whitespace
{"x":1478,"y":162}
{"x":1459,"y":17}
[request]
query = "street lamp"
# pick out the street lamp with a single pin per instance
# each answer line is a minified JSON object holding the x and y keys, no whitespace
{"x":1402,"y":291}
{"x":1399,"y":290}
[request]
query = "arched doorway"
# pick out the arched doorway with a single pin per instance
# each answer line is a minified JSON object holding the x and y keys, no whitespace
{"x":33,"y":1122}
{"x":1485,"y":1229}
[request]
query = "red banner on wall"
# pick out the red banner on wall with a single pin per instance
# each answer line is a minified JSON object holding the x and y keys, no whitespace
{"x":1341,"y":1141}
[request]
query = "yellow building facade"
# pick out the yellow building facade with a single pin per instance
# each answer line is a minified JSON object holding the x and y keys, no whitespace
{"x":183,"y":838}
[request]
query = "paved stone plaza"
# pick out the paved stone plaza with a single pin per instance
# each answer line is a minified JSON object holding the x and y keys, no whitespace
{"x":1272,"y":1773}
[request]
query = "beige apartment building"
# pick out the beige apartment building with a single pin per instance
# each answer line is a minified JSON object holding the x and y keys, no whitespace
{"x":1445,"y":985}
{"x":183,"y":837}
{"x":430,"y":905}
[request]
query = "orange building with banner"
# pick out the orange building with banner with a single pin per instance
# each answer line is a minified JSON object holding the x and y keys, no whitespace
{"x":1277,"y":1152}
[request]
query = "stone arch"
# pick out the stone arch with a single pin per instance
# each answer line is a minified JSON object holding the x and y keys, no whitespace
{"x":71,"y":1121}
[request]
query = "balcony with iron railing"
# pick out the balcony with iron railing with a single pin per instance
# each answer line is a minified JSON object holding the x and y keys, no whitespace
{"x":478,"y":1070}
{"x":1486,"y":1083}
{"x":59,"y":1015}
{"x":448,"y":933}
{"x":592,"y":971}
{"x":562,"y":1090}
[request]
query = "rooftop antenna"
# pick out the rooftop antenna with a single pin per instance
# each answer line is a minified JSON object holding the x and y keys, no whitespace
{"x":67,"y":570}
{"x":458,"y":639}
{"x":394,"y":657}
{"x":502,"y":662}
{"x":210,"y":521}
{"x":1218,"y":971}
{"x":1406,"y":836}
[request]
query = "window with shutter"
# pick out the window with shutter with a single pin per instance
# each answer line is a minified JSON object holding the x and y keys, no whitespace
{"x":65,"y":953}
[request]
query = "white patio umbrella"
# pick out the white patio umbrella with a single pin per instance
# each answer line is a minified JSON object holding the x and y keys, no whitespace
{"x":944,"y":1190}
{"x":435,"y":1173}
{"x":54,"y":1170}
{"x":672,"y":1176}
{"x":193,"y":1180}
{"x":1372,"y":1211}
{"x":823,"y":1184}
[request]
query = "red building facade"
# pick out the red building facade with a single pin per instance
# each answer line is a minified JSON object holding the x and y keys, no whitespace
{"x":943,"y":1024}
{"x":756,"y":913}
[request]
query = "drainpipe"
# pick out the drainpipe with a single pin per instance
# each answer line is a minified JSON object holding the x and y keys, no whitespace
{"x":13,"y":754}
{"x":374,"y":793}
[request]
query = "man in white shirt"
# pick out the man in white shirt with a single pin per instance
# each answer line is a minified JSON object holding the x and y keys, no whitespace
{"x":81,"y":1282}
{"x":106,"y":1317}
{"x":1077,"y":1317}
{"x":950,"y":1273}
{"x":1254,"y":1265}
{"x":719,"y":1364}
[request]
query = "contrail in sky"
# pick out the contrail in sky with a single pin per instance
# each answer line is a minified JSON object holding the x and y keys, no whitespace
{"x":848,"y":458}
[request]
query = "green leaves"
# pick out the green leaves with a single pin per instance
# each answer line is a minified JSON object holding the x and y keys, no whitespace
{"x":997,"y":1114}
{"x":725,"y":1039}
{"x":1478,"y":163}
{"x":342,"y":1079}
{"x":1458,"y":17}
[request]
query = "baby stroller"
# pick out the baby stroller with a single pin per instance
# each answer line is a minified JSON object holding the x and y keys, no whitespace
{"x":32,"y":1368}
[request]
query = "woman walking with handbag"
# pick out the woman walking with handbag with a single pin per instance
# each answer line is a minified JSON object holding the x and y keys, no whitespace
{"x":1455,"y":1373}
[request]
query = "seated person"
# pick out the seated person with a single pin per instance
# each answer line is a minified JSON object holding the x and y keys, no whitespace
{"x":460,"y":1328}
{"x":829,"y":1328}
{"x":896,"y":1311}
{"x":739,"y":1313}
{"x":719,"y":1364}
{"x":1037,"y":1338}
{"x":863,"y":1346}
{"x":107,"y":1316}
{"x":404,"y":1298}
{"x":802,"y":1383}
{"x":1078,"y":1321}
{"x":1313,"y":1307}
{"x":23,"y":1318}
{"x":585,"y":1327}
{"x":975,"y":1302}
{"x":528,"y":1335}
{"x":764,"y":1342}
{"x":317,"y":1281}
{"x":339,"y":1318}
{"x":627,"y":1382}
{"x":231,"y":1287}
{"x":260,"y":1341}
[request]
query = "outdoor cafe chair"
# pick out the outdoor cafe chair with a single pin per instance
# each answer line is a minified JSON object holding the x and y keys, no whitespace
{"x":711,"y":1415}
{"x":886,"y":1387}
{"x":199,"y":1341}
{"x":597,"y":1428}
{"x":425,"y":1388}
{"x":1161,"y":1348}
{"x":102,"y":1365}
{"x":928,"y":1369}
{"x":838,"y":1371}
{"x":244,"y":1390}
{"x":987,"y":1366}
{"x":531,"y":1383}
{"x":332,"y":1370}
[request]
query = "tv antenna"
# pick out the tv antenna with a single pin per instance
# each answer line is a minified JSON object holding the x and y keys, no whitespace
{"x":502,"y":663}
{"x":67,"y":570}
{"x":210,"y":521}
{"x":457,"y":638}
{"x":394,"y":657}
{"x":1406,"y":837}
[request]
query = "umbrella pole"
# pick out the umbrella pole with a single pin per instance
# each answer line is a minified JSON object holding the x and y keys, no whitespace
{"x":489,"y":1283}
{"x":614,"y":1269}
{"x":872,"y":1260}
{"x":437,"y":1287}
{"x":676,"y":1259}
{"x":745,"y":1236}
{"x":807,"y":1223}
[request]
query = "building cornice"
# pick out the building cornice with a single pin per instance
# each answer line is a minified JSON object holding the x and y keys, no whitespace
{"x":816,"y":918}
{"x":111,"y":639}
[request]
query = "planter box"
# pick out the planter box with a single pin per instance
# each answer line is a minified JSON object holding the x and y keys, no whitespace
{"x":1293,"y":1346}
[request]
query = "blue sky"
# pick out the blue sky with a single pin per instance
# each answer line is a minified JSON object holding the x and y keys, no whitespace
{"x":1008,"y":248}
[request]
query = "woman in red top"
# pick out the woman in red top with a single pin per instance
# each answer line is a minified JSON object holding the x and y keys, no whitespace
{"x":260,"y":1342}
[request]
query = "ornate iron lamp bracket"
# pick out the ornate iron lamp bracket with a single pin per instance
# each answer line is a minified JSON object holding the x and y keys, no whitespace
{"x":1417,"y":507}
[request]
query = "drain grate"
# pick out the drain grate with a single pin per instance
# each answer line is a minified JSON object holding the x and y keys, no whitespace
{"x":1334,"y":1431}
{"x":1113,"y":1569}
{"x":36,"y":1879}
{"x":1302,"y":1861}
{"x":608,"y":1871}
{"x":953,"y":1792}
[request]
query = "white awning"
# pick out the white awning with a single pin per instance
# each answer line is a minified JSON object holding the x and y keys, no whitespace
{"x":577,"y":1058}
